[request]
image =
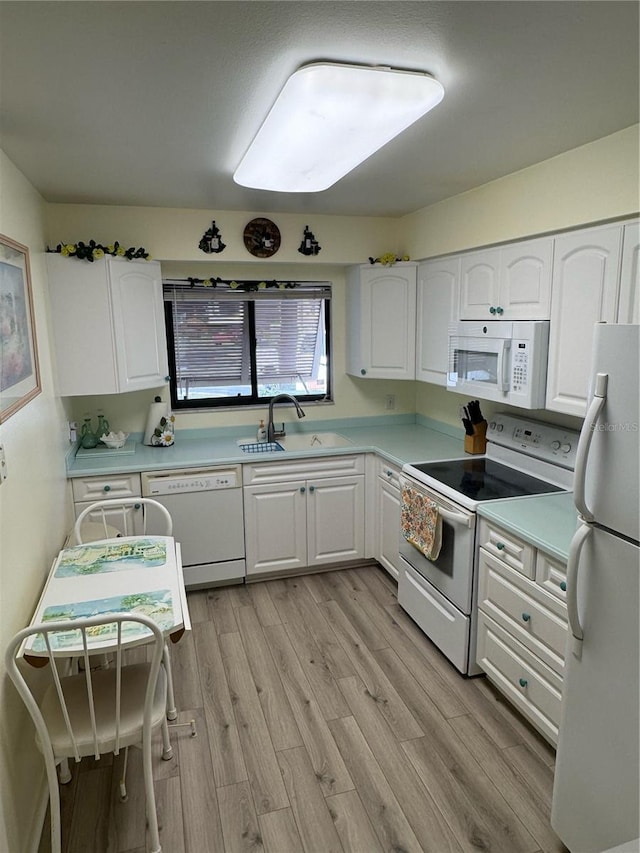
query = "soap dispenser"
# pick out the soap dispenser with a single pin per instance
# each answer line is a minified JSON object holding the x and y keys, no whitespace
{"x":261,"y":435}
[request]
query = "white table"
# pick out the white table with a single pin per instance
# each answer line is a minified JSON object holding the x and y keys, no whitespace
{"x":131,"y":573}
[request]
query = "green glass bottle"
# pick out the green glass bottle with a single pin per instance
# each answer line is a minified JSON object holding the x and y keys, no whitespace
{"x":103,"y":425}
{"x":88,"y":438}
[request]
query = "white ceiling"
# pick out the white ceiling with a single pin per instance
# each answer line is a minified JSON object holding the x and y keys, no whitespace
{"x":154,"y":103}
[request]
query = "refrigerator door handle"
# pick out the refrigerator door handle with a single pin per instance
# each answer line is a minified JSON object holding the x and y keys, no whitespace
{"x":584,"y":444}
{"x":573,"y":564}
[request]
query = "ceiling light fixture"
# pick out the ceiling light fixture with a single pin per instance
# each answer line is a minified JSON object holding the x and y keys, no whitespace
{"x":328,"y":118}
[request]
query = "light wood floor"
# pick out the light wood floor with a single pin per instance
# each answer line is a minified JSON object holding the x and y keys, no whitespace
{"x":326,"y":722}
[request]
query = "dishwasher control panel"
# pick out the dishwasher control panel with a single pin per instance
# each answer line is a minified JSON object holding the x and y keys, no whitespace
{"x":180,"y":482}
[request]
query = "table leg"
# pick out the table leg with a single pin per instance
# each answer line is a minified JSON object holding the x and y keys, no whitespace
{"x":172,"y":713}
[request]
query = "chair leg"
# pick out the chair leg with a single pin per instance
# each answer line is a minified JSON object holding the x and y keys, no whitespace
{"x":152,"y":815}
{"x":54,"y":804}
{"x":123,"y":779}
{"x":167,"y":749}
{"x":171,"y":702}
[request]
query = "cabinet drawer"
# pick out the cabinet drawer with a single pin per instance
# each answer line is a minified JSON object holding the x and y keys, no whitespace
{"x":551,"y":574}
{"x":443,"y":623}
{"x":522,"y":612}
{"x":534,"y":689}
{"x":283,"y":471}
{"x":388,"y":472}
{"x":511,"y":550}
{"x":103,"y":488}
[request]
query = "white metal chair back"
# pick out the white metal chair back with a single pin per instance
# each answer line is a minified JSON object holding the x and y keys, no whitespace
{"x":94,"y":712}
{"x":117,"y":512}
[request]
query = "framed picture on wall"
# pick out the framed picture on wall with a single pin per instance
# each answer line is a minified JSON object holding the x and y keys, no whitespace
{"x":19,"y":371}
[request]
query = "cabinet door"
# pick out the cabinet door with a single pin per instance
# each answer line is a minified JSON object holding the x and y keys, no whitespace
{"x":629,"y":303}
{"x":525,"y":280}
{"x":81,"y":324}
{"x":335,"y":520}
{"x":138,"y":320}
{"x":438,"y":294}
{"x":479,"y":285}
{"x":381,"y":309}
{"x":275,"y":519}
{"x":389,"y":527}
{"x":585,"y":284}
{"x":129,"y":521}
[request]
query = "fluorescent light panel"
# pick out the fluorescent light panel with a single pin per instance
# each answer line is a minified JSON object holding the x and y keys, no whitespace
{"x":328,"y":119}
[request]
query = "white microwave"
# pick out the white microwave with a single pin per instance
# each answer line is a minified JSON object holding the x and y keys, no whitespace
{"x":499,"y":360}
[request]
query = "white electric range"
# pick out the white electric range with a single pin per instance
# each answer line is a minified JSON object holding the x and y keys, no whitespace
{"x":523,"y":458}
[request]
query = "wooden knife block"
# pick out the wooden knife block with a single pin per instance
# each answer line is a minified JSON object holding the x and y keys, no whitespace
{"x":476,"y":443}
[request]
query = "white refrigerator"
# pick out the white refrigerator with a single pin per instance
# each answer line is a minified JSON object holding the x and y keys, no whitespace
{"x":596,"y":791}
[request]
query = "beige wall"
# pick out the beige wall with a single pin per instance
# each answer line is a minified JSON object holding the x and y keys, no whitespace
{"x":595,"y":182}
{"x":33,"y":522}
{"x":174,"y":234}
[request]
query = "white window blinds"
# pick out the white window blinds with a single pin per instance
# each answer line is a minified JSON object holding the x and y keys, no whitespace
{"x":219,"y":332}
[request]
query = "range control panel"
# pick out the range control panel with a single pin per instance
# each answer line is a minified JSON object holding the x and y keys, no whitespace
{"x":544,"y":441}
{"x":181,"y":482}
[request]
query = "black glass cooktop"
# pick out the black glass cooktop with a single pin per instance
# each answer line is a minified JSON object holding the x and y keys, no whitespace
{"x":485,"y":480}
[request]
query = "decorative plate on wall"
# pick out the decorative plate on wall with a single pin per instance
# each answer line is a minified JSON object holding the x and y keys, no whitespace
{"x":262,"y":238}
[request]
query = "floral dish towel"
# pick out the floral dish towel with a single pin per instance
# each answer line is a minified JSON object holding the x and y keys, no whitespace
{"x":421,"y":523}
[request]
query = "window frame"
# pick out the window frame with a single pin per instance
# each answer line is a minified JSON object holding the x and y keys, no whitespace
{"x":249,"y":292}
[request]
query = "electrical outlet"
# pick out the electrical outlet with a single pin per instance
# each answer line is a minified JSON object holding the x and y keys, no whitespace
{"x":390,"y":402}
{"x":3,"y":465}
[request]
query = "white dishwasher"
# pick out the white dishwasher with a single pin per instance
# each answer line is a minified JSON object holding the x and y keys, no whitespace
{"x":208,"y":520}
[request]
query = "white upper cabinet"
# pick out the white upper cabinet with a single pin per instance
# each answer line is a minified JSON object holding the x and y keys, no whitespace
{"x":108,"y":325}
{"x":507,"y":283}
{"x":629,"y":302}
{"x":381,"y":321}
{"x":438,"y":295}
{"x":585,"y":291}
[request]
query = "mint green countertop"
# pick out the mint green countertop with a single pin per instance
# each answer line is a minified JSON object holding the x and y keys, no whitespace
{"x":546,"y":521}
{"x":398,"y":442}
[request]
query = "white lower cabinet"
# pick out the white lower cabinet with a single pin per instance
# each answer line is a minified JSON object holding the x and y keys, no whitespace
{"x":522,"y":625}
{"x":88,"y":490}
{"x":303,"y":513}
{"x":388,"y":517}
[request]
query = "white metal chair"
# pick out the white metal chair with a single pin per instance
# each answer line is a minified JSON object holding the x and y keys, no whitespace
{"x":122,"y":513}
{"x":96,"y":711}
{"x":117,"y":512}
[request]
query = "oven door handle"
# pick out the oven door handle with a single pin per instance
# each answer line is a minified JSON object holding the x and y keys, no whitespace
{"x":455,"y":517}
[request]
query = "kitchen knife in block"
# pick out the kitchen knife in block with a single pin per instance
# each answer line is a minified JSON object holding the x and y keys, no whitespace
{"x":476,"y":443}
